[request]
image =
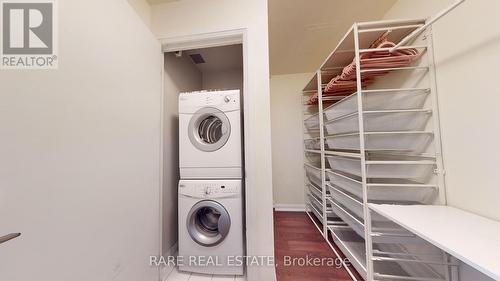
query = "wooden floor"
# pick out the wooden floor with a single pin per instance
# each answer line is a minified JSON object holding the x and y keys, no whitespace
{"x":296,"y":236}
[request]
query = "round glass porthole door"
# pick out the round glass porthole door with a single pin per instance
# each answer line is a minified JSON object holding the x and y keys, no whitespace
{"x":208,"y":223}
{"x":209,"y":129}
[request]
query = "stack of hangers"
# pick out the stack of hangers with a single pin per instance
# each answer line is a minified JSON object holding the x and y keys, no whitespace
{"x":346,"y":83}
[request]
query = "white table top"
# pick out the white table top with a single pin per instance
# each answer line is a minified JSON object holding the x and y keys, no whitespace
{"x":473,"y":239}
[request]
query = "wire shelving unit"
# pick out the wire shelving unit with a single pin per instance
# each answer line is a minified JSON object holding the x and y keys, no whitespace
{"x":380,"y":144}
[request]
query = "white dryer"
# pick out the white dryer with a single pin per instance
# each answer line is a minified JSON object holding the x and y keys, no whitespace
{"x":210,"y":135}
{"x":211,"y":226}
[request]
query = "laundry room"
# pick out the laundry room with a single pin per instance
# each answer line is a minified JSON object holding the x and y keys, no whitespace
{"x":249,"y":140}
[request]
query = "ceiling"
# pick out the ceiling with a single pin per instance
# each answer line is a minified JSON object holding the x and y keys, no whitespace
{"x":303,"y":32}
{"x":219,"y":58}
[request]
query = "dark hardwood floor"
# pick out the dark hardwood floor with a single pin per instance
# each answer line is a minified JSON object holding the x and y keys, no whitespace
{"x":296,"y":236}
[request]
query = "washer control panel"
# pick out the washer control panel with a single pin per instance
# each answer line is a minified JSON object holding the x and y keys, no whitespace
{"x":210,"y":188}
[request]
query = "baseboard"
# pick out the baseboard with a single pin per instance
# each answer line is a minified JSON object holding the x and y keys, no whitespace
{"x":290,"y":207}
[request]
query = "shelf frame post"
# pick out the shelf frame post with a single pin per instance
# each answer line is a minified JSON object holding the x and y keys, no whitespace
{"x":306,"y":205}
{"x":438,"y":148}
{"x":322,"y":147}
{"x":366,"y":210}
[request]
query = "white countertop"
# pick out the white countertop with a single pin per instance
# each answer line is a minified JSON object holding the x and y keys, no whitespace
{"x":473,"y":239}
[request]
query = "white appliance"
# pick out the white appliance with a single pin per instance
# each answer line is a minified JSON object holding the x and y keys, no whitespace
{"x":210,"y":135}
{"x":211,"y":226}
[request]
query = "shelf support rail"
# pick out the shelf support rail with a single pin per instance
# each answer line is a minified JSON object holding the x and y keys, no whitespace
{"x":322,"y":151}
{"x":427,"y":24}
{"x":366,"y":211}
{"x":441,"y":180}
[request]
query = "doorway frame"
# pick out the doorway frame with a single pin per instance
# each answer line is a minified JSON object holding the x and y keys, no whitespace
{"x":198,"y":41}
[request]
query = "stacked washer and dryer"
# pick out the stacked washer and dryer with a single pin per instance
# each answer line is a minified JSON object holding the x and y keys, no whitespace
{"x":210,"y":189}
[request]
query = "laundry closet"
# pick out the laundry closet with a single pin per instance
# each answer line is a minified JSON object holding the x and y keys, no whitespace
{"x":203,"y":156}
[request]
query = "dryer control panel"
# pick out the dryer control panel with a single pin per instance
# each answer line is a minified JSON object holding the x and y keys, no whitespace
{"x":210,"y":188}
{"x":222,"y":100}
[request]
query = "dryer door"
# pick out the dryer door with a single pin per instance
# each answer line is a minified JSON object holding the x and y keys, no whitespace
{"x":209,"y":129}
{"x":208,"y":223}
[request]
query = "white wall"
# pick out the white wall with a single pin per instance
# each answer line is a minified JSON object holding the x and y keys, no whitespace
{"x":183,"y":18}
{"x":223,"y":80}
{"x":467,"y":44}
{"x":180,"y":76}
{"x":287,"y":136}
{"x":79,"y":165}
{"x":467,"y":57}
{"x":143,"y":10}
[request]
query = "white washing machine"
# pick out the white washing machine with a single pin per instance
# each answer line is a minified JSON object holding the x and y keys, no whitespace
{"x":211,"y":226}
{"x":210,"y":135}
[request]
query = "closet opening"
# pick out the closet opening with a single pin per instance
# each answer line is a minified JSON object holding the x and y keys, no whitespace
{"x":197,"y":71}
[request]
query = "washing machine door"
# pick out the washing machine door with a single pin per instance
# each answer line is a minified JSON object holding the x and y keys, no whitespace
{"x":209,"y":129}
{"x":208,"y":223}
